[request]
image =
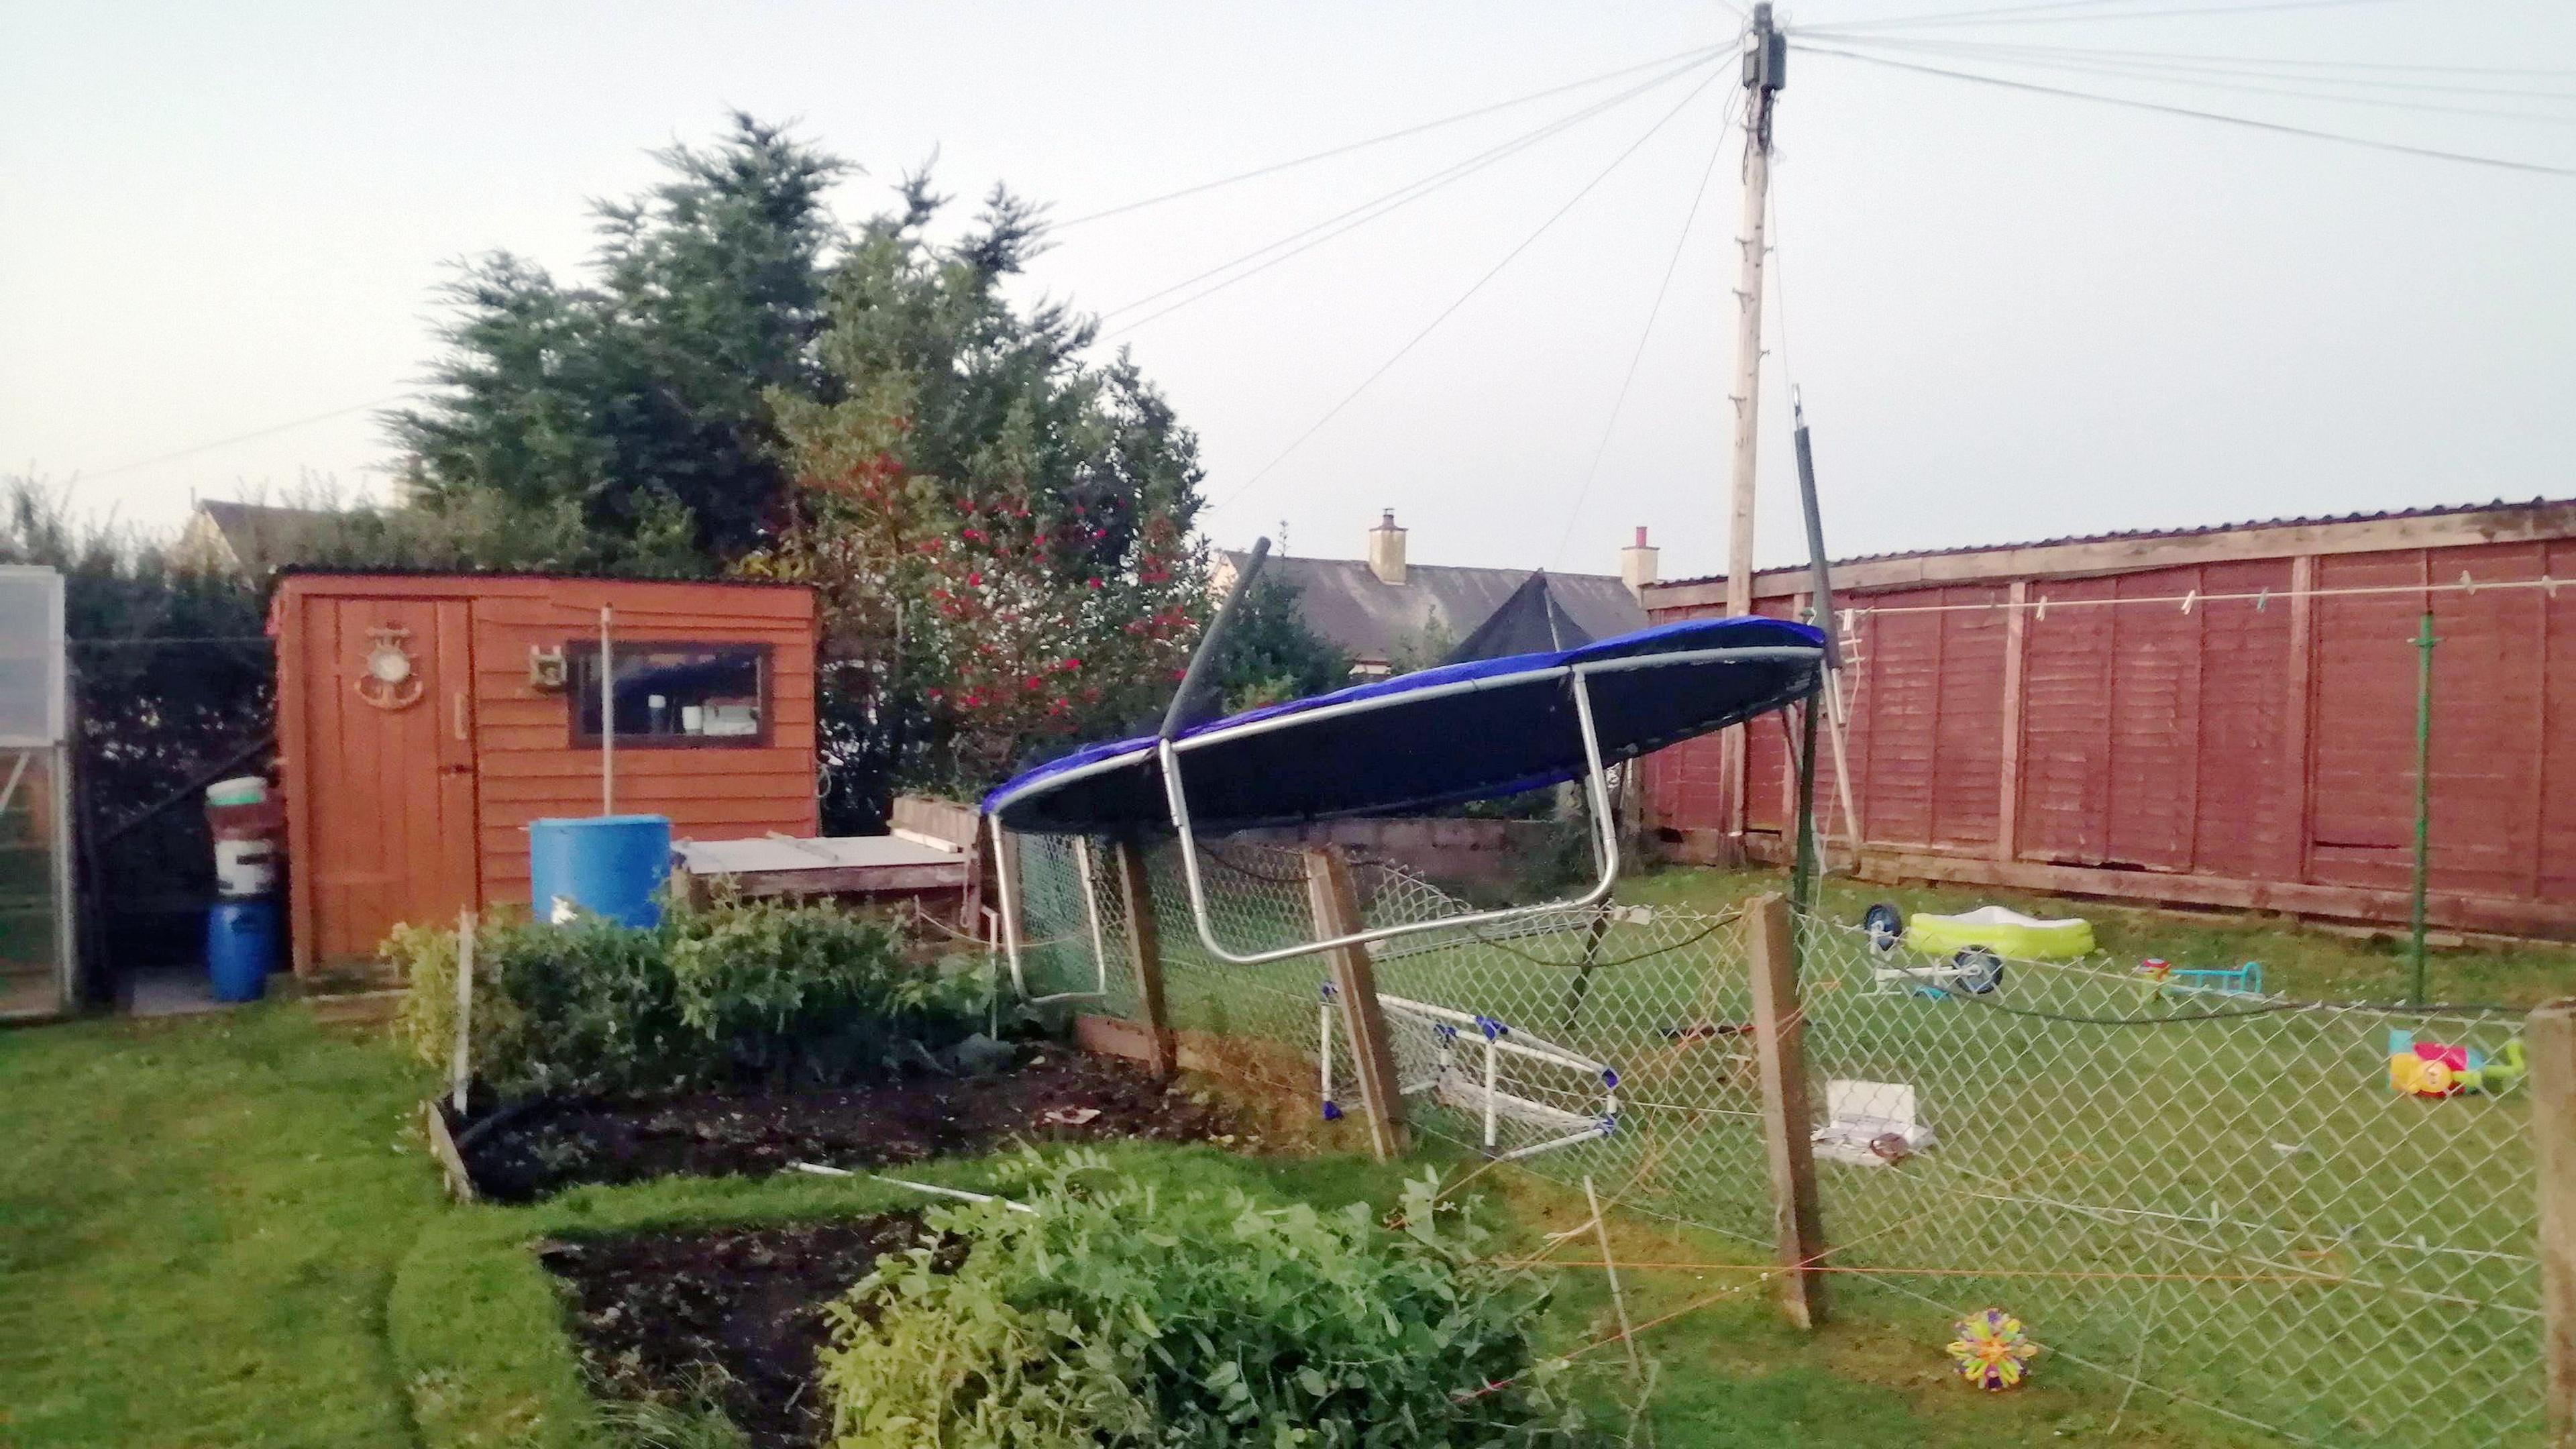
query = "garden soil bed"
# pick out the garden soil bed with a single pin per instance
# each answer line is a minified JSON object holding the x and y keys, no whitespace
{"x":519,"y":1154}
{"x":731,"y":1315}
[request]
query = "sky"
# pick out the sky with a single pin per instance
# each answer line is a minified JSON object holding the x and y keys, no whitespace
{"x":2011,"y":315}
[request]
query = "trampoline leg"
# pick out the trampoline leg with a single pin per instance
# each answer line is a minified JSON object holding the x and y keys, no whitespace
{"x":1493,"y":1084}
{"x":1091,"y":914}
{"x":1325,"y":1059}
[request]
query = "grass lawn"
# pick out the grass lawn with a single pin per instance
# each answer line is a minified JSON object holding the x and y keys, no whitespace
{"x":199,"y":1222}
{"x":220,"y":1231}
{"x":2297,"y":960}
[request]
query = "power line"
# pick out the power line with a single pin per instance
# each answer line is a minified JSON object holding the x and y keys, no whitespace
{"x":1446,"y":312}
{"x":2401,"y":148}
{"x":1700,"y":53}
{"x":239,"y":438}
{"x":2310,"y":64}
{"x":2126,"y":71}
{"x":1726,"y":125}
{"x":2265,"y":67}
{"x":1946,"y":17}
{"x":1378,"y":206}
{"x":2009,"y":17}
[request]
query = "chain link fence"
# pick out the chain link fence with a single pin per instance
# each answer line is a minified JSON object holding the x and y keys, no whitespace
{"x":2205,"y":1192}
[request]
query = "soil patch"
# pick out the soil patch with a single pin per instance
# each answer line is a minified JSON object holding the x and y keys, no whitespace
{"x":528,"y":1151}
{"x":728,"y":1315}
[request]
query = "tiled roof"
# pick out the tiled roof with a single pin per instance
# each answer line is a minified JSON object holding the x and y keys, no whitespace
{"x":1343,"y":601}
{"x":262,"y":536}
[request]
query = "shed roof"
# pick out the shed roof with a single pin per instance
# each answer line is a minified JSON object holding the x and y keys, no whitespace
{"x":1345,"y":602}
{"x":2346,"y":532}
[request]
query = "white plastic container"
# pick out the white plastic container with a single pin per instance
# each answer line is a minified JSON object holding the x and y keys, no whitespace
{"x":240,"y":790}
{"x":245,"y":867}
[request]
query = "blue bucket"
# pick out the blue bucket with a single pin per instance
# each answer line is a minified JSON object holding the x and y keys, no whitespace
{"x":607,"y":865}
{"x":241,"y":947}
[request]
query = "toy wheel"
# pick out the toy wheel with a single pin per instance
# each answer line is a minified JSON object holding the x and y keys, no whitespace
{"x":1980,"y":970}
{"x":1885,"y":925}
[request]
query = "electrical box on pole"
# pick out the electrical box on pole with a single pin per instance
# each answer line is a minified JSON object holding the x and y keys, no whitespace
{"x":1766,"y":53}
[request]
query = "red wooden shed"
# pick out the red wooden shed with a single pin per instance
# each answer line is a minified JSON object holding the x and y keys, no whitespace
{"x":424,"y":719}
{"x":2217,"y":717}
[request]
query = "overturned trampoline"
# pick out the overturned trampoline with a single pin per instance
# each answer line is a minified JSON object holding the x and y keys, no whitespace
{"x":1465,"y":731}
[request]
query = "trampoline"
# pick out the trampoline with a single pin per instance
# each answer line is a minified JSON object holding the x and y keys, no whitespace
{"x":1443,"y":736}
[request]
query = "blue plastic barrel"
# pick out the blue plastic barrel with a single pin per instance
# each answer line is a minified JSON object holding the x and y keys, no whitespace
{"x":608,"y":865}
{"x":241,"y":946}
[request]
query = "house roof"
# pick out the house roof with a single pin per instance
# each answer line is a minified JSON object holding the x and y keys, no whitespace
{"x":261,"y":535}
{"x":1344,"y":601}
{"x":2149,"y":535}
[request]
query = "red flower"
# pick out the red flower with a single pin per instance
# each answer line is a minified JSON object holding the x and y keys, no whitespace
{"x":975,"y":580}
{"x":1091,"y":583}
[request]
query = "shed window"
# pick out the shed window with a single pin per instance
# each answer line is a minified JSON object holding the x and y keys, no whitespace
{"x":674,"y":694}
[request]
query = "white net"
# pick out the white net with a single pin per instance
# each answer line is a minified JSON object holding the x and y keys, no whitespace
{"x":2209,"y":1193}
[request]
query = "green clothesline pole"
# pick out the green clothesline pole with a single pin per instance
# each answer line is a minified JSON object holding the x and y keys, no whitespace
{"x":2423,"y":642}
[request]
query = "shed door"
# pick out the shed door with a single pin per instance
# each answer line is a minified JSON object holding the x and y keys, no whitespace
{"x":390,"y":733}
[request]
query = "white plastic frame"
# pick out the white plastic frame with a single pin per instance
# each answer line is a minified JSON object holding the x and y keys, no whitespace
{"x":1484,"y":1094}
{"x":1010,"y":922}
{"x":1605,"y":843}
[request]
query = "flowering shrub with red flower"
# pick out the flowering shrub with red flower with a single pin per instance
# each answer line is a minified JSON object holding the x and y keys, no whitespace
{"x":1001,"y":531}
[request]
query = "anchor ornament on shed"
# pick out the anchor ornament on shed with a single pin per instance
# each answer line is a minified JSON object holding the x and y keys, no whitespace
{"x":391,"y":680}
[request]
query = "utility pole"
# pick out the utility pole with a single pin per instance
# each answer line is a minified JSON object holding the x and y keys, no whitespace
{"x":1766,"y":56}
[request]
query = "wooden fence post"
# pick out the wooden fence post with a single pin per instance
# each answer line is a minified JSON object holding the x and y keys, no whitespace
{"x":1779,"y":1038}
{"x":460,"y":1066}
{"x":2551,"y":1032}
{"x":1145,"y":953}
{"x":1336,"y":903}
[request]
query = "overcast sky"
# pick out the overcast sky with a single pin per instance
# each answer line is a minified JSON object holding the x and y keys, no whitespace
{"x":2013,"y":315}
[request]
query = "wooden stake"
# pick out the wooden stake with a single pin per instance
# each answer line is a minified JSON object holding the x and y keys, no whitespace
{"x":1779,"y":1037}
{"x":2551,"y":1032}
{"x":1145,"y":953}
{"x":607,"y":717}
{"x":1610,"y":1270}
{"x":2016,"y":693}
{"x":460,"y":1067}
{"x":1336,"y":903}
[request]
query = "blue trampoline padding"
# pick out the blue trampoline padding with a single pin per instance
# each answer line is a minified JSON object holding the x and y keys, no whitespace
{"x":1420,"y":743}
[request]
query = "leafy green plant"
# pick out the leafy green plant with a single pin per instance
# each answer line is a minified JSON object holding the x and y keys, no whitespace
{"x":1118,"y":1314}
{"x":802,"y":990}
{"x":732,"y":991}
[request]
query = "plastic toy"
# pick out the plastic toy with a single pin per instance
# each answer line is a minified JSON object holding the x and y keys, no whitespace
{"x":2436,"y":1069}
{"x":1991,"y":1350}
{"x":1885,"y":925}
{"x":1973,"y":967}
{"x":2245,"y":980}
{"x":2006,"y":932}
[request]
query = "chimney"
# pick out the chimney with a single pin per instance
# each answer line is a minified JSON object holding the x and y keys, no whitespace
{"x":1637,"y":565}
{"x":1386,"y":550}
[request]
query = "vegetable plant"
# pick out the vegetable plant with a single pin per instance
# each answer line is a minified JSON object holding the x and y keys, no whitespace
{"x":731,"y":992}
{"x":1118,"y":1314}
